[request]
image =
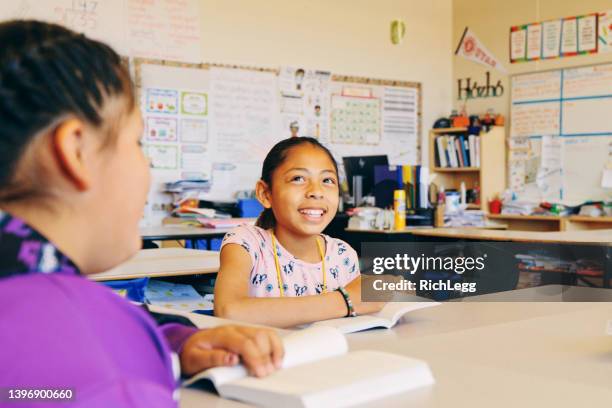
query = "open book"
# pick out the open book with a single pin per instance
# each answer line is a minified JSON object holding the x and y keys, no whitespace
{"x":387,"y":317}
{"x":318,"y":371}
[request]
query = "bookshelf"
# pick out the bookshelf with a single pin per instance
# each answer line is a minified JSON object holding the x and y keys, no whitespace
{"x":490,"y":175}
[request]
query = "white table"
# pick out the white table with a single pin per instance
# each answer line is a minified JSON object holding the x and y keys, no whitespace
{"x":163,"y":262}
{"x":496,"y":354}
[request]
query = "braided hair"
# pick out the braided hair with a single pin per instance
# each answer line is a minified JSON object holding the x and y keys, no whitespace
{"x":48,"y":72}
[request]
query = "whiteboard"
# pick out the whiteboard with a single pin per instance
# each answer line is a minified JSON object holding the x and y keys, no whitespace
{"x":163,"y":29}
{"x":575,"y":105}
{"x":100,"y":20}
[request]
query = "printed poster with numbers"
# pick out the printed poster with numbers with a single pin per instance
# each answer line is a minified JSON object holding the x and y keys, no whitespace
{"x":355,"y":120}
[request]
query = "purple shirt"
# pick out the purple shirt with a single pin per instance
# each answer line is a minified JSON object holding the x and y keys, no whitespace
{"x":60,"y":330}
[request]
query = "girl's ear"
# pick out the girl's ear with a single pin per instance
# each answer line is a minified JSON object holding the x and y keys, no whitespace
{"x":262,"y":192}
{"x":68,"y":143}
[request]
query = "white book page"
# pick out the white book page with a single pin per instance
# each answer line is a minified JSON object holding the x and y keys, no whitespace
{"x":387,"y":317}
{"x":392,"y":312}
{"x":303,"y":346}
{"x":354,"y":378}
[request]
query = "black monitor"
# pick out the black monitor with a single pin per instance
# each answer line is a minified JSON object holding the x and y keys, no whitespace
{"x":362,"y":166}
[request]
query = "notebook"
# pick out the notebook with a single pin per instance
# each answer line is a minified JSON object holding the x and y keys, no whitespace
{"x":225,"y":222}
{"x":318,"y":371}
{"x":386,"y":318}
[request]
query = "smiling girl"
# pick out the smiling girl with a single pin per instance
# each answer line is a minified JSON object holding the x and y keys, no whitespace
{"x":283,"y":271}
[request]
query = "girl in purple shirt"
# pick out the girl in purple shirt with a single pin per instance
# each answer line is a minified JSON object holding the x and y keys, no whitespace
{"x":73,"y":184}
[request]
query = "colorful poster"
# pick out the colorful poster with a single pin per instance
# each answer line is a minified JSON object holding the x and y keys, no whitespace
{"x":518,"y":44}
{"x":194,"y":130}
{"x":160,"y":129}
{"x":551,"y":38}
{"x":194,"y":103}
{"x":605,"y":32}
{"x":163,"y":156}
{"x":569,"y":36}
{"x":587,"y":33}
{"x":534,"y":41}
{"x":161,"y":100}
{"x":355,"y":120}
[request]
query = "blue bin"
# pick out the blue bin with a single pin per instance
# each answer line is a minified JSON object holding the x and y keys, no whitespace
{"x":249,"y":208}
{"x":132,"y":289}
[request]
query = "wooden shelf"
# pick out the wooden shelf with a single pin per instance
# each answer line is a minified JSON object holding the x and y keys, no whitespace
{"x":586,"y":218}
{"x":524,"y":217}
{"x":455,"y":169}
{"x":490,"y":176}
{"x":449,"y":130}
{"x":473,"y":206}
{"x":553,"y":222}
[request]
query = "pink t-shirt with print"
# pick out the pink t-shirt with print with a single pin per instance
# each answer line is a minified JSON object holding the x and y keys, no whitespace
{"x":299,"y":278}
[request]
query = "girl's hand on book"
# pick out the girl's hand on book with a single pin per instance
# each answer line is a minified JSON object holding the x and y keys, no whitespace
{"x":354,"y":291}
{"x":260,"y":350}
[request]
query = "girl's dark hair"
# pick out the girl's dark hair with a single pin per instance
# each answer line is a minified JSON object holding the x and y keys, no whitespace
{"x":276,"y":157}
{"x":47,"y":72}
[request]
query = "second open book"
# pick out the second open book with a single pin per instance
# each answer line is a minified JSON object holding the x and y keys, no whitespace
{"x":318,"y":371}
{"x":386,"y":318}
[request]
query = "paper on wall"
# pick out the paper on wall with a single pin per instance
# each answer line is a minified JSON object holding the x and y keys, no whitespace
{"x":194,"y":130}
{"x":550,"y":177}
{"x":551,"y":38}
{"x":161,"y":129}
{"x":400,"y":123}
{"x":194,"y":103}
{"x":518,"y":143}
{"x":194,"y":159}
{"x":163,"y":29}
{"x":161,"y":100}
{"x":606,"y":178}
{"x":304,"y":100}
{"x":355,"y":120}
{"x":534,"y":41}
{"x":518,"y":44}
{"x":244,"y":110}
{"x":569,"y":36}
{"x":587,"y":33}
{"x":163,"y":156}
{"x":243,"y":126}
{"x":517,"y":175}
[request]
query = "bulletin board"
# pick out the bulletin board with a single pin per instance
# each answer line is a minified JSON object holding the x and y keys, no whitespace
{"x":217,"y":122}
{"x":561,"y":134}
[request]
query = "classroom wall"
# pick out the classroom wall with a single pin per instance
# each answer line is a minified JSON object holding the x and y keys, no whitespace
{"x":345,"y":36}
{"x":491,"y":20}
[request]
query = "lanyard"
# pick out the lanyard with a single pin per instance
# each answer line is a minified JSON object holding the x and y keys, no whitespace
{"x":278,"y":269}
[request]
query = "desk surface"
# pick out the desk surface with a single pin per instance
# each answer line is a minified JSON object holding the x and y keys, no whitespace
{"x":497,"y":354}
{"x":413,"y":229}
{"x":164,"y":232}
{"x":590,"y":236}
{"x":163,"y":262}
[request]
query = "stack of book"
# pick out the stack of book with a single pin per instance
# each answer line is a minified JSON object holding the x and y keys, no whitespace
{"x":519,"y":207}
{"x":465,"y":218}
{"x":457,"y":151}
{"x":185,"y":196}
